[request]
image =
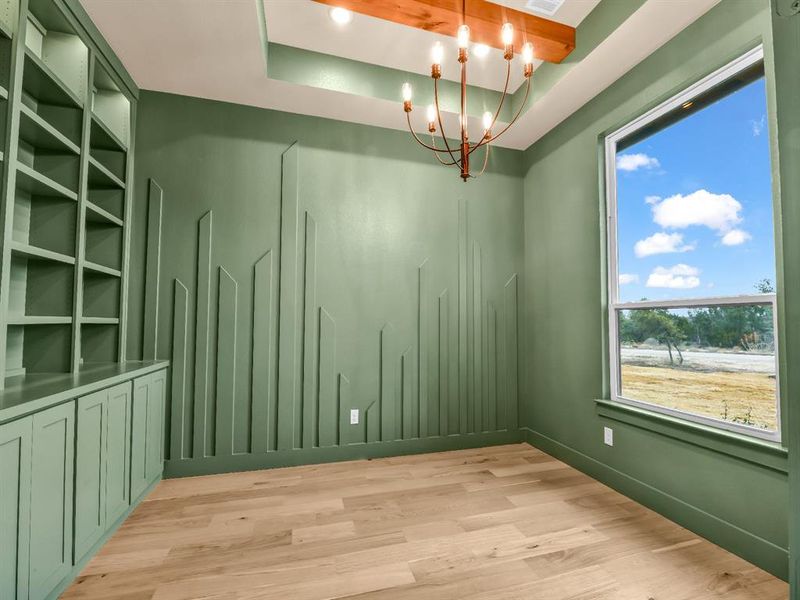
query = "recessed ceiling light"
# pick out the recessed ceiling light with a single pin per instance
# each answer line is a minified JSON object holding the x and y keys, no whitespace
{"x":480,"y":50}
{"x":340,"y":15}
{"x":687,"y":104}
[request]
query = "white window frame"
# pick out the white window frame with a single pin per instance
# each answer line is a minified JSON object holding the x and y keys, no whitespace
{"x":615,"y":306}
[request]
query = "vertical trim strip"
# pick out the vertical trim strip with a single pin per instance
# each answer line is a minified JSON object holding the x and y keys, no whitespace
{"x":152,"y":271}
{"x":290,"y":317}
{"x":263,"y":410}
{"x":226,"y":362}
{"x":201,"y":396}
{"x":180,"y":315}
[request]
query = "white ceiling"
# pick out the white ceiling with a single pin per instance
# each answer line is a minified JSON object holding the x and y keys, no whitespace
{"x":212,"y":49}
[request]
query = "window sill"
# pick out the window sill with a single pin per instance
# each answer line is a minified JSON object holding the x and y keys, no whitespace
{"x":752,"y":450}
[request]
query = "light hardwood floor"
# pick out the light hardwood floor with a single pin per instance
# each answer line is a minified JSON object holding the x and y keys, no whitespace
{"x":507,"y":522}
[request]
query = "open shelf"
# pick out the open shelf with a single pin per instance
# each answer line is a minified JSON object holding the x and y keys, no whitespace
{"x":56,"y":59}
{"x":110,"y":200}
{"x":30,"y":180}
{"x":103,"y":138}
{"x":44,"y":348}
{"x":27,"y":320}
{"x":111,"y":111}
{"x":100,"y":320}
{"x":97,"y":214}
{"x":101,"y":269}
{"x":34,"y":253}
{"x":102,"y":178}
{"x":44,"y":85}
{"x":99,"y":343}
{"x":101,"y":297}
{"x":37,"y":132}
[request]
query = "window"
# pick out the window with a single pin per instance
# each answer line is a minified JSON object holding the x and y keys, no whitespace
{"x":692,"y":316}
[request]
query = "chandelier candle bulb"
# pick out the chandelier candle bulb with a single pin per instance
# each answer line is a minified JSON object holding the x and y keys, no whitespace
{"x":527,"y":59}
{"x":487,"y":124}
{"x":407,"y":93}
{"x":463,"y":36}
{"x":507,"y":35}
{"x":437,"y":53}
{"x":431,"y":118}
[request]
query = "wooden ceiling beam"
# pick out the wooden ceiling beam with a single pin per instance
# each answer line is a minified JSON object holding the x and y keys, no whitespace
{"x":552,"y":41}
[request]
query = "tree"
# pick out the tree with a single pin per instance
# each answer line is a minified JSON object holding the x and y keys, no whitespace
{"x":658,"y":323}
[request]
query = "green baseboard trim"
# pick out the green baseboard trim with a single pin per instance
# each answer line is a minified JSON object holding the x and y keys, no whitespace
{"x":77,"y":568}
{"x":757,"y":550}
{"x":305,"y":456}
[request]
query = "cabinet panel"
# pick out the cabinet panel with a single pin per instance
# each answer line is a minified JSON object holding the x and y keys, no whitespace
{"x":155,"y":426}
{"x":15,"y":473}
{"x":52,"y":463}
{"x":139,"y":481}
{"x":147,"y":443}
{"x":118,"y":446}
{"x":90,"y":446}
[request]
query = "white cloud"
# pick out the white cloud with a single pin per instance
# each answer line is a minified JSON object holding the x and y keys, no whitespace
{"x":652,"y":200}
{"x":759,"y":126}
{"x":661,"y":243}
{"x":634,"y":162}
{"x":719,"y":212}
{"x":735,"y":237}
{"x":679,"y":277}
{"x":626,"y":278}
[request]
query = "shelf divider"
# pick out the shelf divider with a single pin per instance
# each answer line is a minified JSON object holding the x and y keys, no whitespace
{"x":34,"y":182}
{"x":36,"y":253}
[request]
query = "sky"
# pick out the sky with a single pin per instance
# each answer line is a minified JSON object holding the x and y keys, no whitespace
{"x":694,"y":204}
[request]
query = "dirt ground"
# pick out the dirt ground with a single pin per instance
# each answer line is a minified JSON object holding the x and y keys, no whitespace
{"x":750,"y":397}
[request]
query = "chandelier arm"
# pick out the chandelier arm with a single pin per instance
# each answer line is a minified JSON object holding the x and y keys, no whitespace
{"x":502,"y":98}
{"x":441,"y":125}
{"x":486,"y":140}
{"x":514,"y":120}
{"x":416,"y":137}
{"x":485,"y":161}
{"x":439,"y":158}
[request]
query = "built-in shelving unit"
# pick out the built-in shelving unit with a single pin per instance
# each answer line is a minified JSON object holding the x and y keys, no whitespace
{"x":66,"y":120}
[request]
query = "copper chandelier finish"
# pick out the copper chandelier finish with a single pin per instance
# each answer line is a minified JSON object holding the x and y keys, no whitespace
{"x":460,"y":156}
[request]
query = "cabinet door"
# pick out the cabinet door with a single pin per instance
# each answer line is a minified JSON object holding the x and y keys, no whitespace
{"x":155,"y":424}
{"x":118,"y":445}
{"x":52,"y":461}
{"x":15,"y":479}
{"x":90,"y":516}
{"x":139,"y":480}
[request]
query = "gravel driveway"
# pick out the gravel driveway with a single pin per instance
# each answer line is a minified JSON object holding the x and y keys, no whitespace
{"x":703,"y":361}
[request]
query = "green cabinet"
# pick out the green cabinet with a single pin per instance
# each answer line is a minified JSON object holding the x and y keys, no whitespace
{"x":89,"y":471}
{"x":36,"y":466}
{"x":118,"y":452}
{"x":51,"y":476}
{"x":147,"y":457}
{"x":68,"y":474}
{"x":102,"y":450}
{"x":15,"y":490}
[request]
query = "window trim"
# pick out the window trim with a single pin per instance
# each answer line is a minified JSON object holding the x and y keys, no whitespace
{"x":614,"y":305}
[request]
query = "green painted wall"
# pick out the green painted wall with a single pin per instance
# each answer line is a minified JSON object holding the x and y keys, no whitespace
{"x":306,"y":267}
{"x":740,"y":504}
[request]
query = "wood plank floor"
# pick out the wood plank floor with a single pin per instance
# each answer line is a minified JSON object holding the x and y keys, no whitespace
{"x":507,"y":522}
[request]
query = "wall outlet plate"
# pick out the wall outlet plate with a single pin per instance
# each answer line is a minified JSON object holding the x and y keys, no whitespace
{"x":608,"y":436}
{"x":353,"y":416}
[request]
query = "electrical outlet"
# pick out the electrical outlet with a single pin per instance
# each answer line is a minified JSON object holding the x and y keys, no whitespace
{"x":353,"y":416}
{"x":608,"y":436}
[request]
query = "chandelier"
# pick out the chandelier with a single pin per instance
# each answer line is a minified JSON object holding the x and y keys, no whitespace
{"x":459,"y":156}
